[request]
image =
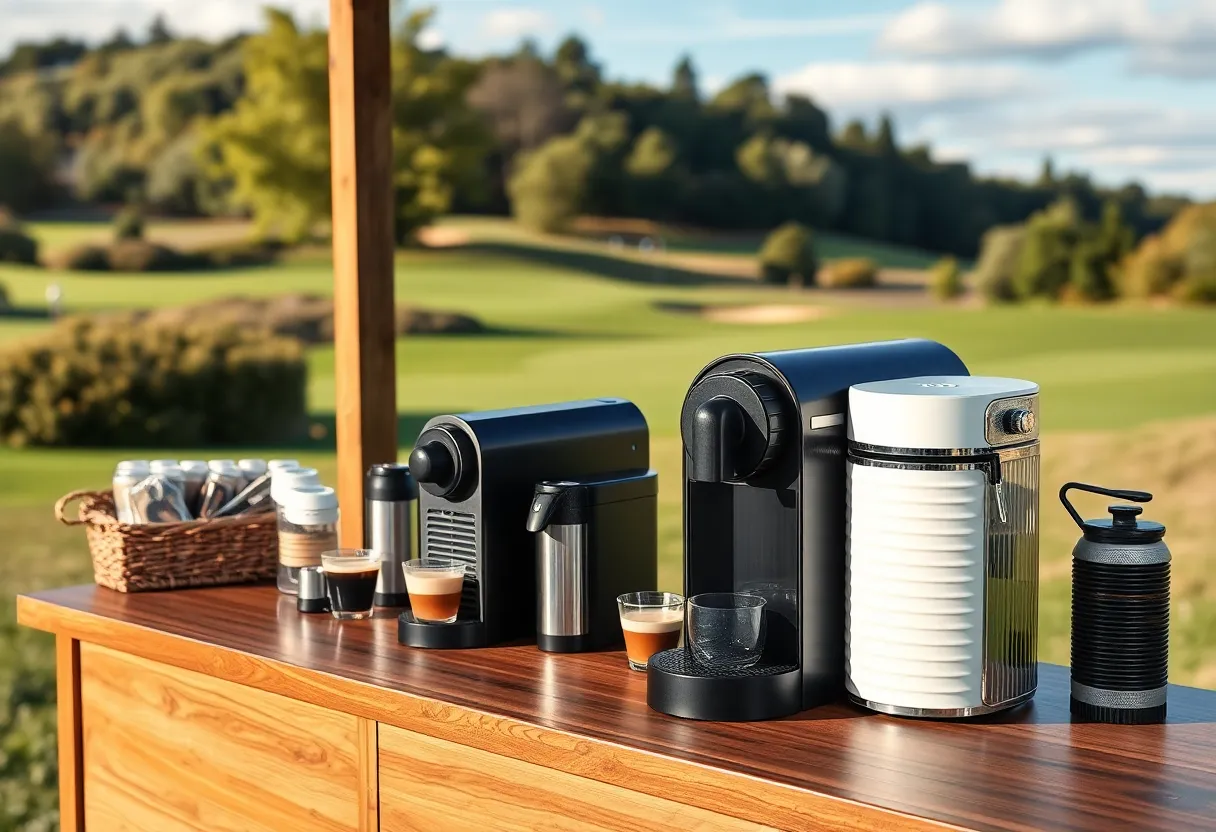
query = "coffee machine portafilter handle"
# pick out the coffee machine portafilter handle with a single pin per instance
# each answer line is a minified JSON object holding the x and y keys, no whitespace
{"x":718,"y":428}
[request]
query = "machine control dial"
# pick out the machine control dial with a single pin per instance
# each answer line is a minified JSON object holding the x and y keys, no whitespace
{"x":445,"y":462}
{"x":1019,"y":421}
{"x":733,"y":425}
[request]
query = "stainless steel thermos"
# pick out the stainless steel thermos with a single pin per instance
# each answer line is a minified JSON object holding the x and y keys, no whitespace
{"x":389,"y":524}
{"x":1120,"y":613}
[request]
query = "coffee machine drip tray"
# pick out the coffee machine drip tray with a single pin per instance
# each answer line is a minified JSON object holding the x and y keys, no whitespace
{"x":679,"y":686}
{"x":459,"y":635}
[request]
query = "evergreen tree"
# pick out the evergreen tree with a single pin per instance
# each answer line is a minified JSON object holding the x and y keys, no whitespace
{"x":854,"y":135}
{"x":159,"y":31}
{"x":1047,"y":174}
{"x":885,"y":141}
{"x":574,"y":67}
{"x":684,"y":80}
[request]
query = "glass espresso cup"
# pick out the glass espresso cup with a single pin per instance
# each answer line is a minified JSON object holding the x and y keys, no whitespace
{"x":350,"y":581}
{"x":435,"y":587}
{"x":652,"y":622}
{"x":726,"y":629}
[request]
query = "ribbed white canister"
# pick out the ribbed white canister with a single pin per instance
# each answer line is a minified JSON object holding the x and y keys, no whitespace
{"x":922,"y":517}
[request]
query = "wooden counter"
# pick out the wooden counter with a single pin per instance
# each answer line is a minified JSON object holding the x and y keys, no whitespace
{"x":225,"y":709}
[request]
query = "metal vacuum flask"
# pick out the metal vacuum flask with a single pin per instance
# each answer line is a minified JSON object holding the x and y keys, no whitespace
{"x":942,"y":545}
{"x":390,"y":524}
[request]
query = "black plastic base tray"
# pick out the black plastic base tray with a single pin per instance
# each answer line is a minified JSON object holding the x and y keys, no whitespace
{"x":677,"y":685}
{"x":459,"y":635}
{"x":391,"y":599}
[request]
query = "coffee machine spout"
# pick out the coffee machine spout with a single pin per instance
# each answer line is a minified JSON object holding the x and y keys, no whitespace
{"x":716,"y":434}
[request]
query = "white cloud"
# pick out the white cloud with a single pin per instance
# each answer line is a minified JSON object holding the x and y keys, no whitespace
{"x":431,"y":38}
{"x":1168,"y":148}
{"x":96,"y":20}
{"x":516,"y":22}
{"x":730,"y":28}
{"x":1178,"y":39}
{"x":904,"y":85}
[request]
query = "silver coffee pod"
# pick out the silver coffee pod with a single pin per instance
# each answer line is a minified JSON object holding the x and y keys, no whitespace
{"x":313,"y":595}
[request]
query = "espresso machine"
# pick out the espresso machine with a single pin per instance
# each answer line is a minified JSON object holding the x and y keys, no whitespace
{"x":477,"y":472}
{"x":764,"y":440}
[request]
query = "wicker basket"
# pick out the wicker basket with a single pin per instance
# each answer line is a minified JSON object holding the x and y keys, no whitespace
{"x":227,"y":550}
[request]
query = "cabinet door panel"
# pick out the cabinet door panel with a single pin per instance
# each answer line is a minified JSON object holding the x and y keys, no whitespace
{"x":168,"y":749}
{"x":427,"y":784}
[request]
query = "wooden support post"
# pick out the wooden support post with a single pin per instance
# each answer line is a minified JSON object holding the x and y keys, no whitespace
{"x":361,"y":156}
{"x":71,"y":734}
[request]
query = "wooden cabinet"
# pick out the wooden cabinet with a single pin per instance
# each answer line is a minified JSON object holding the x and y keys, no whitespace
{"x":428,"y":784}
{"x":167,"y":749}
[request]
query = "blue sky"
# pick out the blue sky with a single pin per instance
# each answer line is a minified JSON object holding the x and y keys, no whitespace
{"x":1121,"y":89}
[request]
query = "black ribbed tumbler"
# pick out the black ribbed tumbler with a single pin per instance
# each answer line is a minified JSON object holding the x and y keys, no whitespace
{"x":1120,"y":617}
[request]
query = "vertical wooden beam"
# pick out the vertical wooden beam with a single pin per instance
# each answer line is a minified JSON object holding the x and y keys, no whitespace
{"x":71,"y":734}
{"x":361,"y":154}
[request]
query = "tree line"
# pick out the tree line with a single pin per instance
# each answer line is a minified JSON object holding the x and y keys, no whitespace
{"x":242,"y":125}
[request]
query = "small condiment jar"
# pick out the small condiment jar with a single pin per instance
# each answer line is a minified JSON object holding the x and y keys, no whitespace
{"x":308,"y":526}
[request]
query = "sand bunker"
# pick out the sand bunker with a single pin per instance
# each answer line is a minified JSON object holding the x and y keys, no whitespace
{"x":765,"y":314}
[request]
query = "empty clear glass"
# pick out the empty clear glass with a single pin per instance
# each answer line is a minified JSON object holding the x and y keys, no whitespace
{"x":726,"y":629}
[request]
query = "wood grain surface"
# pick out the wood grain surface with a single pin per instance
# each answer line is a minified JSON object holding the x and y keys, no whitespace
{"x":428,"y":784}
{"x":835,"y":767}
{"x":167,"y":749}
{"x":71,"y":749}
{"x":361,"y":151}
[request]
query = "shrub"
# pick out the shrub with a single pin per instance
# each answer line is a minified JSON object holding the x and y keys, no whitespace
{"x":4,"y":304}
{"x":114,"y":384}
{"x":549,"y":185}
{"x":1089,"y":276}
{"x":308,"y":318}
{"x":849,"y":273}
{"x":788,"y":256}
{"x":1179,"y":262}
{"x":129,"y":224}
{"x":1197,"y":288}
{"x":134,"y":255}
{"x":82,"y":258}
{"x":999,"y":254}
{"x":946,"y":279}
{"x":17,"y":247}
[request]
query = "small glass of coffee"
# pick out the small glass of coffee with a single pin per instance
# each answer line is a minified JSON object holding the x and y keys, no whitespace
{"x":652,"y":622}
{"x":435,"y":586}
{"x":350,"y":581}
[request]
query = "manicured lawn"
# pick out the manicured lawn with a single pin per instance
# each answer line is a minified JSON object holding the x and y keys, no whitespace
{"x":1110,"y":376}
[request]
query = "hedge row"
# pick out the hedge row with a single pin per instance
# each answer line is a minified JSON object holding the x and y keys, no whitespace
{"x":89,"y":383}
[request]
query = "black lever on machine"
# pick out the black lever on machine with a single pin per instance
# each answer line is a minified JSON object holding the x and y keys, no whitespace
{"x":717,"y":431}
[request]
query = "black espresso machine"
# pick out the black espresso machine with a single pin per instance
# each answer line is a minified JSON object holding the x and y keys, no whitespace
{"x":478,"y":472}
{"x":764,"y":512}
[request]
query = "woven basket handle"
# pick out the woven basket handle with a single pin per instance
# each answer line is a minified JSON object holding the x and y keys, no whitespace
{"x":62,"y":503}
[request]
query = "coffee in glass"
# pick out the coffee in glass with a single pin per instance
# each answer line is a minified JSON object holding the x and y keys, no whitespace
{"x":350,"y":581}
{"x":435,"y":587}
{"x":652,"y":622}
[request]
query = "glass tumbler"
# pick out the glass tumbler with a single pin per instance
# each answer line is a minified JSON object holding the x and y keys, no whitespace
{"x":651,"y":622}
{"x":726,"y":629}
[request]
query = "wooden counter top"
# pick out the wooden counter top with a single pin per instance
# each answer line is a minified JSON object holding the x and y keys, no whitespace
{"x":830,"y":768}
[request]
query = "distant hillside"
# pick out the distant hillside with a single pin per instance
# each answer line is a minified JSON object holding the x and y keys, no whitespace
{"x":122,"y":121}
